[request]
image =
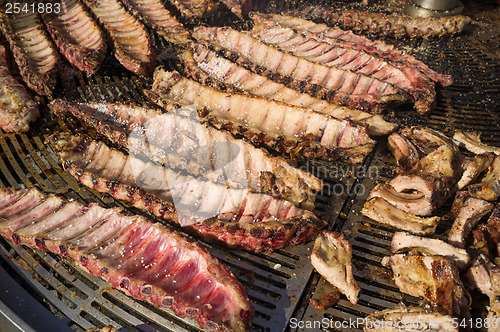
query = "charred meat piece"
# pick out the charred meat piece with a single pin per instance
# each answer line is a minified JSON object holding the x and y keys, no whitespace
{"x":394,"y":25}
{"x":415,"y":318}
{"x":426,"y":139}
{"x":494,"y":310}
{"x":493,"y":228}
{"x":77,"y":35}
{"x":415,"y":203}
{"x":434,"y":278}
{"x":478,"y":276}
{"x":279,"y":124}
{"x":195,"y":8}
{"x":207,"y":67}
{"x":332,"y":258}
{"x":473,"y":168}
{"x":143,"y":259}
{"x":132,"y":44}
{"x":402,"y":241}
{"x":332,"y":84}
{"x":472,"y":142}
{"x":235,"y":217}
{"x":17,"y":108}
{"x":154,"y":14}
{"x":34,"y":52}
{"x":385,"y":213}
{"x":404,"y":151}
{"x":348,"y":39}
{"x":239,"y":7}
{"x":293,"y":41}
{"x":182,"y":142}
{"x":489,"y":187}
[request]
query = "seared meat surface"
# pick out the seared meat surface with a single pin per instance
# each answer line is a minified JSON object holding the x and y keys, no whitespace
{"x":473,"y":168}
{"x":489,"y":187}
{"x":414,"y":203}
{"x":404,"y":151}
{"x":472,"y":142}
{"x":195,"y":8}
{"x":17,"y":108}
{"x":143,"y":259}
{"x":332,"y":258}
{"x":77,"y":35}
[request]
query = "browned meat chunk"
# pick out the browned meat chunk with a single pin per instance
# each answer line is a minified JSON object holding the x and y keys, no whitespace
{"x":478,"y":276}
{"x":415,"y":203}
{"x":404,"y":151}
{"x":472,"y":142}
{"x":473,"y":168}
{"x":332,"y":258}
{"x":195,"y":8}
{"x":383,"y":212}
{"x":489,"y":187}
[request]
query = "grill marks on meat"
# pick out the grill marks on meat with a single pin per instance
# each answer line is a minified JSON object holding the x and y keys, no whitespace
{"x":195,"y":8}
{"x":332,"y":258}
{"x":285,"y":128}
{"x":387,"y":24}
{"x":207,"y":67}
{"x":179,"y":142}
{"x":17,"y":108}
{"x":472,"y":142}
{"x":145,"y":260}
{"x":385,"y":213}
{"x":402,"y":241}
{"x":332,"y":84}
{"x":434,"y":278}
{"x":294,"y":42}
{"x":77,"y":36}
{"x":33,"y":50}
{"x":489,"y":187}
{"x":468,"y":211}
{"x":132,"y":45}
{"x":154,"y":14}
{"x":390,"y":320}
{"x":348,"y":39}
{"x":235,"y":217}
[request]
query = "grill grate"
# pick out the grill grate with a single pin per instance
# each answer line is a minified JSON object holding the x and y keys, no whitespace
{"x":278,"y":284}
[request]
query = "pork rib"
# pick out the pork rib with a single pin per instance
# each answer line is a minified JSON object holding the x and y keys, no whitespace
{"x":335,"y":85}
{"x":195,"y":8}
{"x":387,"y":24}
{"x":154,"y":14}
{"x":17,"y":108}
{"x":404,"y":151}
{"x":385,"y":213}
{"x":414,"y":203}
{"x":279,"y":124}
{"x":348,"y":39}
{"x":295,"y":42}
{"x":435,"y":278}
{"x":332,"y":258}
{"x":237,"y":218}
{"x":77,"y":35}
{"x":181,"y":142}
{"x":472,"y":142}
{"x":207,"y":67}
{"x":132,"y":44}
{"x":34,"y":52}
{"x":143,"y":259}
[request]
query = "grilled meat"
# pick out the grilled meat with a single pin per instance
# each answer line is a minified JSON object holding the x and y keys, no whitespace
{"x":494,"y":310}
{"x":412,"y":319}
{"x":426,"y":139}
{"x":34,"y":52}
{"x":207,"y":67}
{"x":473,"y":167}
{"x":195,"y":8}
{"x":132,"y":45}
{"x":348,"y":39}
{"x":414,"y":203}
{"x":467,"y":211}
{"x":493,"y":228}
{"x":17,"y":108}
{"x":394,"y":25}
{"x":332,"y":258}
{"x":404,"y":151}
{"x":489,"y":187}
{"x":478,"y":277}
{"x":154,"y":14}
{"x":295,"y":42}
{"x":78,"y":37}
{"x":472,"y":142}
{"x":402,"y":241}
{"x":385,"y":213}
{"x":239,"y":7}
{"x":332,"y":84}
{"x":237,"y":218}
{"x":434,"y":278}
{"x":143,"y":259}
{"x":284,"y":128}
{"x":180,"y":142}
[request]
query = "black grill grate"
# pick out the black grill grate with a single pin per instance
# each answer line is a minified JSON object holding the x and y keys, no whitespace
{"x":279,"y":284}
